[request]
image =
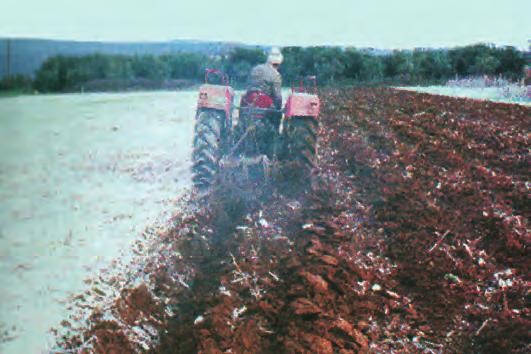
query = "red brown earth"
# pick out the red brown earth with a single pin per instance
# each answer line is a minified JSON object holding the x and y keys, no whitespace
{"x":412,"y":239}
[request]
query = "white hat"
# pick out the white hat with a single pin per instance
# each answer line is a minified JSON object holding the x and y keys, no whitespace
{"x":275,"y":56}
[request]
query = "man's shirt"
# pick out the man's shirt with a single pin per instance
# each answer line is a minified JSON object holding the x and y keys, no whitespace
{"x":266,"y":78}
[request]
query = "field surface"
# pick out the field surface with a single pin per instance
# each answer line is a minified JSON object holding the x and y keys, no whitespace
{"x":509,"y":94}
{"x":412,"y":238}
{"x":81,"y":177}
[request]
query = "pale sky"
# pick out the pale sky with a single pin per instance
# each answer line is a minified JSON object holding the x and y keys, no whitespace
{"x":360,"y":23}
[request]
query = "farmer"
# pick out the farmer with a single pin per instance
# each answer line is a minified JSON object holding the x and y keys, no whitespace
{"x":264,"y":92}
{"x":266,"y":78}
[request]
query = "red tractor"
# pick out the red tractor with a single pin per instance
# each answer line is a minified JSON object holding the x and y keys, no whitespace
{"x":254,"y":138}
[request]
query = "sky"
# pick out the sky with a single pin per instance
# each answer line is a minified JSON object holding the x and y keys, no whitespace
{"x":386,"y":24}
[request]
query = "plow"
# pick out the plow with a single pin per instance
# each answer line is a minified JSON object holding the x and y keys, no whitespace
{"x":253,"y":141}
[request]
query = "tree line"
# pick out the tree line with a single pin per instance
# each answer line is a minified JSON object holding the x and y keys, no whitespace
{"x":420,"y":66}
{"x":331,"y":65}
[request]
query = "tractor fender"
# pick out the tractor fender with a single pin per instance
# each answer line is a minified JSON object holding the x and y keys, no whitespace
{"x":219,"y":97}
{"x":303,"y":104}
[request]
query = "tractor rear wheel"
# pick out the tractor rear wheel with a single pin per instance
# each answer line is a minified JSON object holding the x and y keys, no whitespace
{"x":302,"y":137}
{"x":208,"y":148}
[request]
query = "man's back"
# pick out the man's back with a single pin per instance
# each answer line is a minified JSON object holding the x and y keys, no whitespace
{"x":266,"y":78}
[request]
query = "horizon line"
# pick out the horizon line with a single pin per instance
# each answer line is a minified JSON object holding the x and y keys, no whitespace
{"x":205,"y":41}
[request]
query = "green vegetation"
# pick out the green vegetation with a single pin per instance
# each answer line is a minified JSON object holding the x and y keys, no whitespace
{"x":15,"y":85}
{"x":62,"y":73}
{"x":239,"y":63}
{"x":332,"y":65}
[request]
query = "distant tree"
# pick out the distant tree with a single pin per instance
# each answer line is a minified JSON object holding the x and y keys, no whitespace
{"x":241,"y":60}
{"x":431,"y":65}
{"x":250,"y":55}
{"x":149,"y":67}
{"x":512,"y":63}
{"x":354,"y":61}
{"x":463,"y":59}
{"x":292,"y":67}
{"x":396,"y":64}
{"x":331,"y":65}
{"x":373,"y":68}
{"x":47,"y":77}
{"x":482,"y":59}
{"x":119,"y":67}
{"x":485,"y":65}
{"x":240,"y":70}
{"x":184,"y":65}
{"x":400,"y":66}
{"x":17,"y":83}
